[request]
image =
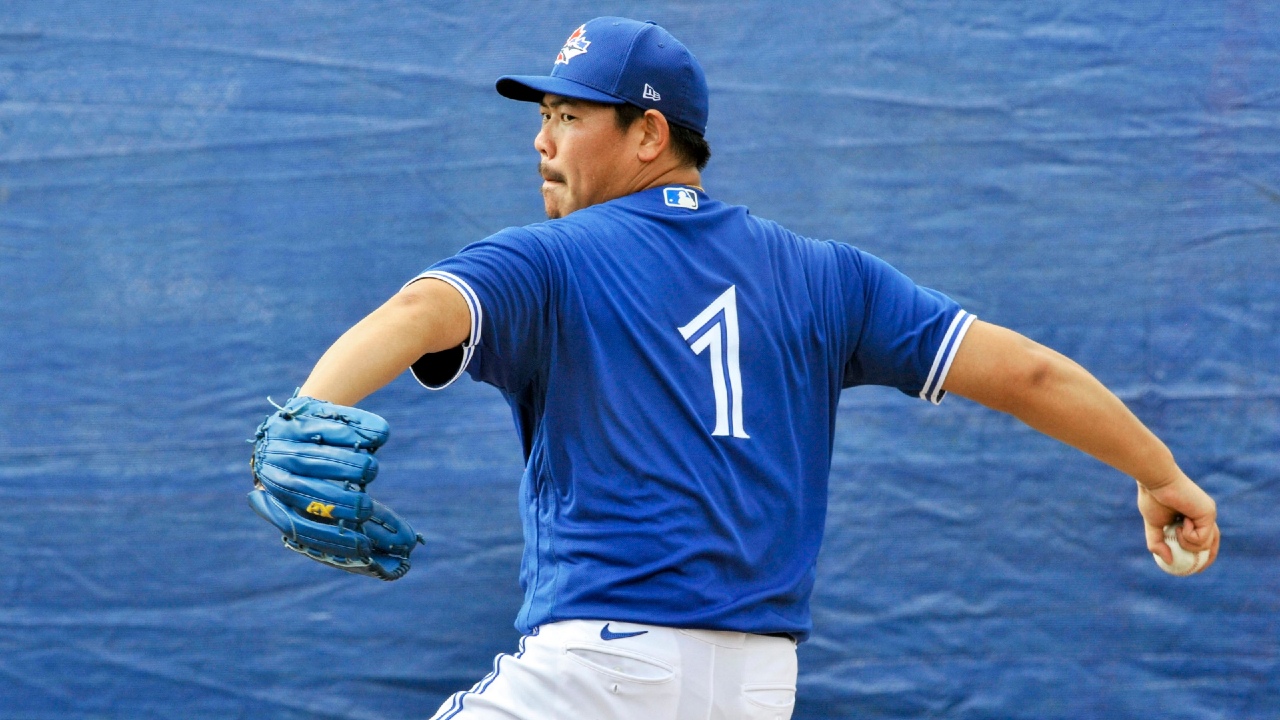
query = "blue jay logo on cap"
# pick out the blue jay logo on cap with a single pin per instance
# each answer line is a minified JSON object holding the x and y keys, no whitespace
{"x":574,"y":46}
{"x":680,"y":197}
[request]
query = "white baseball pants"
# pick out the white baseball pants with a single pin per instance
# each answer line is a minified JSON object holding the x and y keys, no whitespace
{"x":597,"y":670}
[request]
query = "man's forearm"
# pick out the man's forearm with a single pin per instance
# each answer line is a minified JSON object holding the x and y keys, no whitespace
{"x":1054,"y":395}
{"x":427,"y":316}
{"x":1070,"y":404}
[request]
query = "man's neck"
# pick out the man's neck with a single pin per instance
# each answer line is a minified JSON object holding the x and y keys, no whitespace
{"x":684,"y":175}
{"x":648,"y":178}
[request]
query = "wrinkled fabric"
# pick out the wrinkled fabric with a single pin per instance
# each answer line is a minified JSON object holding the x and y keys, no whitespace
{"x":197,"y":199}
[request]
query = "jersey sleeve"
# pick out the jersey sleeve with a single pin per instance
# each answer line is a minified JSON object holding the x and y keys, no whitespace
{"x":903,"y":335}
{"x":505,"y":280}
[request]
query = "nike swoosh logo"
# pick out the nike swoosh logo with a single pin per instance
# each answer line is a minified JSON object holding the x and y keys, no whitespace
{"x":606,"y":635}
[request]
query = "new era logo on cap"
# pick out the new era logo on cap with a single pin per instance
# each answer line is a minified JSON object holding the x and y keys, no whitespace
{"x":680,"y":197}
{"x":650,"y":93}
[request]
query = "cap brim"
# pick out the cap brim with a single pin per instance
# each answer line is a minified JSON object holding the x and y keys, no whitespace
{"x":531,"y":88}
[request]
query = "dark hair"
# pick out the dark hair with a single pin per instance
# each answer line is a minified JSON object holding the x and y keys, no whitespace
{"x":689,"y":145}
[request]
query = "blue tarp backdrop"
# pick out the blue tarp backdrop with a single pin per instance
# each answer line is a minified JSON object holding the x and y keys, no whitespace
{"x":196,"y":199}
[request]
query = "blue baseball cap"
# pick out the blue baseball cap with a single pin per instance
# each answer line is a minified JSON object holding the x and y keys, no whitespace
{"x":615,"y":60}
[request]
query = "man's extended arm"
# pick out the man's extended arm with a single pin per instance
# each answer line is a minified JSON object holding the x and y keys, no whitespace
{"x":426,"y":316}
{"x":1048,"y":391}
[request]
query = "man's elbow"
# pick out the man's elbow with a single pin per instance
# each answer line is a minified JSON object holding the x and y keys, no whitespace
{"x":1031,"y":374}
{"x":1004,"y":370}
{"x":1041,"y":365}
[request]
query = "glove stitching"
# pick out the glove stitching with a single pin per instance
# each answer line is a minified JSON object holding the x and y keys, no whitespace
{"x":310,"y":443}
{"x":341,"y":421}
{"x":374,"y":442}
{"x":323,"y":458}
{"x":290,"y":491}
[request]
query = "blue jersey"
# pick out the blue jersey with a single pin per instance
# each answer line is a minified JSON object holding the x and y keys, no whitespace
{"x":673,"y":364}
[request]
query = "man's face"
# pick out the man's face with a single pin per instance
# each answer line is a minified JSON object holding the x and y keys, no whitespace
{"x":586,"y":159}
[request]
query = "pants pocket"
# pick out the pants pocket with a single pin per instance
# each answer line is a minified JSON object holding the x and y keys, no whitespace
{"x":614,"y":684}
{"x":621,"y":664}
{"x":769,"y":683}
{"x":775,"y":697}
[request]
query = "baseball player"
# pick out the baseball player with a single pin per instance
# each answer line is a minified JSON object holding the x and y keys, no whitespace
{"x":673,"y":365}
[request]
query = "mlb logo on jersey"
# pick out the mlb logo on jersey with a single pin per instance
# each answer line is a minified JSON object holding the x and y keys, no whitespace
{"x":574,"y":46}
{"x":681,"y":197}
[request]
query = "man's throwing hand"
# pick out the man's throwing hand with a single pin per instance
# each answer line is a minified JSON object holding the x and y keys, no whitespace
{"x":1180,"y":499}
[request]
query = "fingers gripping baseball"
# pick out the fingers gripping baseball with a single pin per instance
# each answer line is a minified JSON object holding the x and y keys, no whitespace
{"x":312,"y":461}
{"x":1181,"y":524}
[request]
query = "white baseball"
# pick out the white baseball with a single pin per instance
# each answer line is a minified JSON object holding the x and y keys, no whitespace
{"x":1184,"y":562}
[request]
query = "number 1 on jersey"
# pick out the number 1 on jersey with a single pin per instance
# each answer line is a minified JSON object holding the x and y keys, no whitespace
{"x":721,"y":339}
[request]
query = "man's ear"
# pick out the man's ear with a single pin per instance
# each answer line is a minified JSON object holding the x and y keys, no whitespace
{"x":657,"y":135}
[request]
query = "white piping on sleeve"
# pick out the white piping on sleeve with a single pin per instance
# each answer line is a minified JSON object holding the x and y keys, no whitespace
{"x":477,"y":315}
{"x":932,"y":390}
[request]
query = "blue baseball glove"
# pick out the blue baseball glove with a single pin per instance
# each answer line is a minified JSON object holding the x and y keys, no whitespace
{"x":311,"y":462}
